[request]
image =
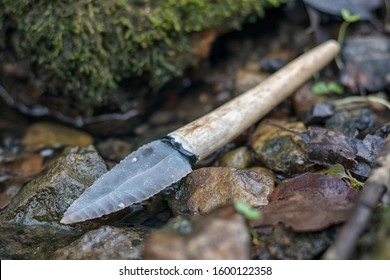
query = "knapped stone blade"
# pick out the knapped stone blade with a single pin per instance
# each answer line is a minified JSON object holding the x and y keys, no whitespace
{"x":139,"y":176}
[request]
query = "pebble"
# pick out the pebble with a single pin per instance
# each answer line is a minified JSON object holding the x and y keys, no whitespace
{"x":51,"y":135}
{"x":220,"y":235}
{"x":208,"y":188}
{"x":280,"y":150}
{"x":106,"y":243}
{"x":239,"y":158}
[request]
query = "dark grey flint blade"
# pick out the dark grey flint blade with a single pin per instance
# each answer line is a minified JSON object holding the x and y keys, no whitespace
{"x":135,"y":179}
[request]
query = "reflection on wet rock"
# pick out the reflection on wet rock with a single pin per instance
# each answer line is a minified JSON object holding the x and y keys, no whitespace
{"x":208,"y":188}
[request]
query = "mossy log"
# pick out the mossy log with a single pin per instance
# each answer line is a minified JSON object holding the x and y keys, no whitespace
{"x":83,"y":51}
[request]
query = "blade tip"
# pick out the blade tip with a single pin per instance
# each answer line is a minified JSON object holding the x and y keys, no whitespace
{"x":70,"y":218}
{"x":66,"y":220}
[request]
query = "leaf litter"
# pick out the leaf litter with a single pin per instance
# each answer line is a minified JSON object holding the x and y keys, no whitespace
{"x":327,"y":147}
{"x":308,"y":202}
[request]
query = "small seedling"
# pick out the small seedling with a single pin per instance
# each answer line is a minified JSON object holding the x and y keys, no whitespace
{"x":348,"y":19}
{"x":246,"y":210}
{"x":338,"y":171}
{"x":322,"y":88}
{"x":249,"y":213}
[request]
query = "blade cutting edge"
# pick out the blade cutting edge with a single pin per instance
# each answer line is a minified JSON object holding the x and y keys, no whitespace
{"x":134,"y":179}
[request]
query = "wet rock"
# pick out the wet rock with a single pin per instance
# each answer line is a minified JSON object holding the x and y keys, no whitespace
{"x":367,"y":63}
{"x":33,"y":242}
{"x":275,"y":60}
{"x":264,"y":172}
{"x":222,"y":234}
{"x":46,"y":198}
{"x":351,"y":122}
{"x":15,"y":173}
{"x":334,"y":7}
{"x":237,"y":158}
{"x":114,"y":149}
{"x":322,"y":110}
{"x":50,"y":135}
{"x":283,"y":243}
{"x":342,"y":122}
{"x":205,"y":189}
{"x":319,"y":113}
{"x":106,"y":243}
{"x":280,"y":150}
{"x":304,"y":100}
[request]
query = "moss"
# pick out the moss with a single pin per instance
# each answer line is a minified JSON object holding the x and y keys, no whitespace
{"x":84,"y":49}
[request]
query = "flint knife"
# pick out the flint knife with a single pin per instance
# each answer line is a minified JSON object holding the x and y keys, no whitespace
{"x":157,"y":165}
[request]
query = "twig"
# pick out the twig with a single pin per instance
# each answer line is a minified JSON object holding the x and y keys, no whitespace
{"x":376,"y":188}
{"x":78,"y":121}
{"x":366,"y":99}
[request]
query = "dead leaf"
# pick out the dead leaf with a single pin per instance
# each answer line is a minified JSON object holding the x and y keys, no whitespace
{"x":328,"y":147}
{"x":309,"y":202}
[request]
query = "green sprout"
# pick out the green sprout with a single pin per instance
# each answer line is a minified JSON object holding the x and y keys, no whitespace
{"x":249,"y":213}
{"x":348,"y":19}
{"x":246,"y":210}
{"x":322,"y":88}
{"x":338,"y":171}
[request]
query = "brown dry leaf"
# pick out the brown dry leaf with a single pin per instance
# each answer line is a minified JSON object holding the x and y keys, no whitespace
{"x":309,"y":202}
{"x":327,"y":147}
